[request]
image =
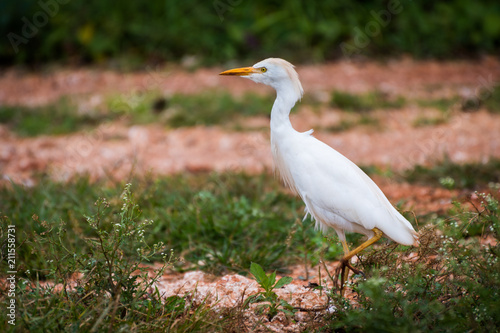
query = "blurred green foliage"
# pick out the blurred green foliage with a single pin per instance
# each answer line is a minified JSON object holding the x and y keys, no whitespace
{"x":179,"y":110}
{"x":220,"y":108}
{"x":448,"y":174}
{"x":134,"y":32}
{"x":56,"y":118}
{"x":365,"y":102}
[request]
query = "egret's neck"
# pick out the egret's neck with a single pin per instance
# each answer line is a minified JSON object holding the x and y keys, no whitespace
{"x":286,"y":97}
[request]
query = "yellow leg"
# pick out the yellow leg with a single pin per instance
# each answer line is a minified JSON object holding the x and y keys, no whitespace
{"x":346,"y":248}
{"x":344,"y":263}
{"x":375,"y":238}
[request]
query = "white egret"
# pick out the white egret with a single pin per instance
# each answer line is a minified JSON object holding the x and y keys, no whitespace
{"x":336,"y":192}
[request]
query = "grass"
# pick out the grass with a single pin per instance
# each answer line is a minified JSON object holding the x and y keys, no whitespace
{"x":491,"y":100}
{"x":179,"y":110}
{"x":53,"y":119}
{"x":346,"y":124}
{"x":430,"y":121}
{"x":218,"y":223}
{"x":208,"y":109}
{"x":222,"y":223}
{"x":64,"y":116}
{"x":365,"y":102}
{"x":115,"y":291}
{"x":441,"y":104}
{"x":485,"y":97}
{"x":451,"y":284}
{"x":453,"y":175}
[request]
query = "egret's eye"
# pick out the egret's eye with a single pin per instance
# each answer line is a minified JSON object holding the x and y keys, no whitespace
{"x":263,"y":69}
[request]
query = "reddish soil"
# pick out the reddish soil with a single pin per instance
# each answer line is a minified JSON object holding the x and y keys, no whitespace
{"x":405,"y":77}
{"x":114,"y":150}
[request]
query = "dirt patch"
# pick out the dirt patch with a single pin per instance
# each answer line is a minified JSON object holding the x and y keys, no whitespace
{"x":230,"y":291}
{"x":402,"y":77}
{"x":115,"y":151}
{"x":118,"y":150}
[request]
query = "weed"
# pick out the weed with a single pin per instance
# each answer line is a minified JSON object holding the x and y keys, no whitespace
{"x":210,"y":108}
{"x":343,"y":125}
{"x":213,"y":109}
{"x":453,"y":175}
{"x":96,"y":258}
{"x":216,"y":222}
{"x":450,"y":282}
{"x":365,"y":102}
{"x":365,"y":120}
{"x":268,"y":283}
{"x":179,"y":110}
{"x":56,"y":118}
{"x":442,"y":104}
{"x":430,"y":121}
{"x":492,"y":101}
{"x":105,"y":287}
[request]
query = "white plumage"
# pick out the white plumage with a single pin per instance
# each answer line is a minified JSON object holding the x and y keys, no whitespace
{"x":336,"y":192}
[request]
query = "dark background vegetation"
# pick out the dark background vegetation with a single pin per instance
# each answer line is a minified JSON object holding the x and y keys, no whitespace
{"x":134,"y":32}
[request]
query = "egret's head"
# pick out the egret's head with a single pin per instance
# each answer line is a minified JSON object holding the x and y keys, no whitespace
{"x":274,"y":72}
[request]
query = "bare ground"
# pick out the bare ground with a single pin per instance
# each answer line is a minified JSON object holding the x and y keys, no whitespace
{"x":116,"y":150}
{"x":404,"y":76}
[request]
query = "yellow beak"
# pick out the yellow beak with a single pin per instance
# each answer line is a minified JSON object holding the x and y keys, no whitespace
{"x":240,"y":71}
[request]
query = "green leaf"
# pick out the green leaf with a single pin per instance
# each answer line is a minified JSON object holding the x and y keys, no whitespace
{"x":271,"y":279}
{"x":287,"y":306}
{"x":283,"y":281}
{"x":253,"y":299}
{"x":258,"y":273}
{"x":288,"y":313}
{"x":271,"y":297}
{"x":273,"y":311}
{"x":175,"y":304}
{"x":260,"y":309}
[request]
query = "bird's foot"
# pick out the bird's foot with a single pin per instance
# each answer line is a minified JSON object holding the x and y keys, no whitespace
{"x":343,"y":271}
{"x":355,"y":270}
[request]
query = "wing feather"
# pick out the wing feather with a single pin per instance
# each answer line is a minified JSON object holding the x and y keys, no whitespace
{"x":336,"y":191}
